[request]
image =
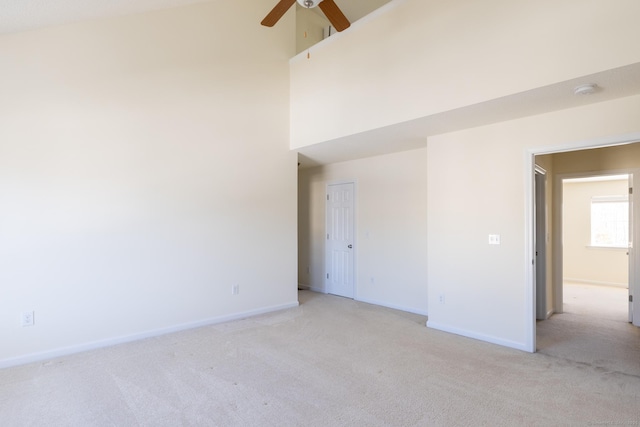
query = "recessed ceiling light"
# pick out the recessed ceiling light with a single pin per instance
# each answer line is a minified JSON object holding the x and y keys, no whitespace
{"x":587,"y":89}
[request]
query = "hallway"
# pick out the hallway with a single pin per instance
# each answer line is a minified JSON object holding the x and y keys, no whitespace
{"x":593,"y":330}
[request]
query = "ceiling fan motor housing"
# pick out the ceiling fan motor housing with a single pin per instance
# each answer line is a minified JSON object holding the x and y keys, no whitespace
{"x":309,"y":3}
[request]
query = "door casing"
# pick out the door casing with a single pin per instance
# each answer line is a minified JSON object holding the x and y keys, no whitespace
{"x":529,"y":214}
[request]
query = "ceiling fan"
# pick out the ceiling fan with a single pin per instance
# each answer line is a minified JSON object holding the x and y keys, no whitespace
{"x":328,"y":7}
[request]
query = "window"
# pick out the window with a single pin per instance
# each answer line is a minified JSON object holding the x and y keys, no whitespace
{"x":610,"y":221}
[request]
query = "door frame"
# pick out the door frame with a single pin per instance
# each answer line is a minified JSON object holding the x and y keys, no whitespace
{"x":355,"y":234}
{"x":529,"y":216}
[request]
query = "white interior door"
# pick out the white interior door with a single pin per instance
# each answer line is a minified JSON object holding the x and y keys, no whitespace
{"x":541,"y":244}
{"x":340,"y":240}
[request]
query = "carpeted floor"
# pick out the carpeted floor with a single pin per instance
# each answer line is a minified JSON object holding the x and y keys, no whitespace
{"x":594,"y":329}
{"x":330,"y":362}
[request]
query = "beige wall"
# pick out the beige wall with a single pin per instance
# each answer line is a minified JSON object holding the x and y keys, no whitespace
{"x":428,"y":57}
{"x":599,"y":159}
{"x":144,"y":170}
{"x":391,"y":228}
{"x":485,"y":287}
{"x":581,"y":262}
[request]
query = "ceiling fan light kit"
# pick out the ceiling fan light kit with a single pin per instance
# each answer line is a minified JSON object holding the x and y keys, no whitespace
{"x":309,"y":3}
{"x":328,"y":7}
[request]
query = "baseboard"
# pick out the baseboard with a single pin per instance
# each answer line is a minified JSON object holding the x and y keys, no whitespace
{"x":94,"y":345}
{"x":317,"y":289}
{"x":394,"y":306}
{"x":595,"y":282}
{"x":303,"y":287}
{"x":481,"y":337}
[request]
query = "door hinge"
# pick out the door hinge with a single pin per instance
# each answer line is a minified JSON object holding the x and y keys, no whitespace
{"x":327,"y":275}
{"x":630,"y":190}
{"x":327,"y":236}
{"x":630,"y":298}
{"x":327,"y":197}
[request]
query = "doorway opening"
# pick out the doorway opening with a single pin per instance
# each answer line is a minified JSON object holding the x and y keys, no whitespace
{"x":595,"y":250}
{"x":584,"y":163}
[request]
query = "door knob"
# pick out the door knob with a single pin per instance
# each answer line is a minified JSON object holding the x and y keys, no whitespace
{"x":350,"y":246}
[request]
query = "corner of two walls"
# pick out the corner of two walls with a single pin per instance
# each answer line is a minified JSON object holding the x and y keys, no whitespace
{"x":391,"y":227}
{"x":134,"y":194}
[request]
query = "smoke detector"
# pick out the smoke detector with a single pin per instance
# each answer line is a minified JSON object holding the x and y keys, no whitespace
{"x":586,"y":89}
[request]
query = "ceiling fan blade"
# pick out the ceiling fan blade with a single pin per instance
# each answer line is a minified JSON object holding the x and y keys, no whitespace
{"x":334,"y":14}
{"x":277,"y":12}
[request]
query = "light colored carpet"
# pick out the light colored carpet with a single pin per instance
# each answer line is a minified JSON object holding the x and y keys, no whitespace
{"x":594,"y":330}
{"x":329,"y":362}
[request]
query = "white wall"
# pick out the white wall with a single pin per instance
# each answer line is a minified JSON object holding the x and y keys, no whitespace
{"x":424,"y":57}
{"x":144,"y":170}
{"x":478,"y":185}
{"x":391,"y":228}
{"x":581,"y":262}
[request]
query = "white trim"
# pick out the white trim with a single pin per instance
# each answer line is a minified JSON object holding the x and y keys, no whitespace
{"x":318,"y":290}
{"x":530,"y":154}
{"x":573,"y":280}
{"x":488,"y":338}
{"x":393,"y":306}
{"x":607,"y":248}
{"x":94,"y":345}
{"x":539,"y":169}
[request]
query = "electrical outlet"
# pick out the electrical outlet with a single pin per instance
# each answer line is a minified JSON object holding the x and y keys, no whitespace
{"x":26,"y":318}
{"x":494,"y":239}
{"x":441,"y":298}
{"x":235,"y":289}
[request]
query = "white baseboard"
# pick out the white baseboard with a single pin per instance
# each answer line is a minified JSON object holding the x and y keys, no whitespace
{"x":481,"y":337}
{"x":595,"y":282}
{"x":394,"y":306}
{"x":303,"y":287}
{"x":93,"y":345}
{"x":317,"y":289}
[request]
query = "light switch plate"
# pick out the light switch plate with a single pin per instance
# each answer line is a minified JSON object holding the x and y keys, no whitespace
{"x":494,"y":239}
